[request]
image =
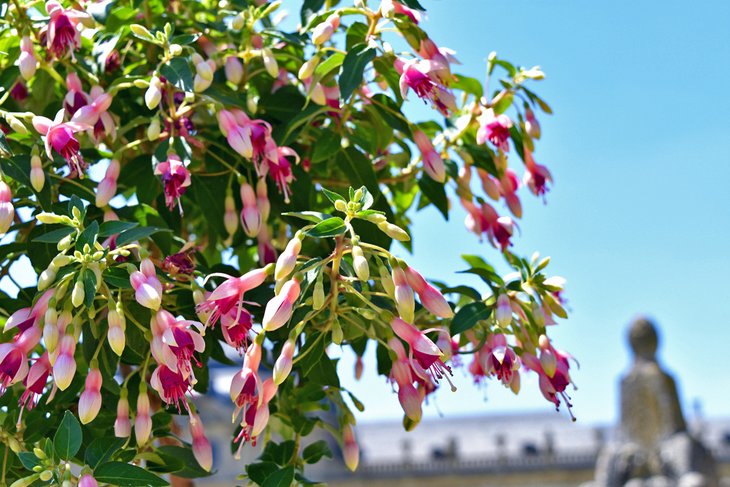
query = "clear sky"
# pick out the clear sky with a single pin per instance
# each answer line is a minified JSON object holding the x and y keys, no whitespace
{"x":639,"y":218}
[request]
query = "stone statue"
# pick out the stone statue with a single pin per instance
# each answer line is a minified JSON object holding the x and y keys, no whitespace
{"x":654,"y":448}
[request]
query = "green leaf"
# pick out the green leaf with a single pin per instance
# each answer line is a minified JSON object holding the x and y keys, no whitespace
{"x":138,"y":233}
{"x":328,"y":228}
{"x":67,"y":440}
{"x":312,"y":216}
{"x":309,"y":8}
{"x":413,"y":4}
{"x":178,"y":72}
{"x":101,"y":449}
{"x":332,"y":196}
{"x":185,"y":39}
{"x":391,"y":113}
{"x":5,"y":150}
{"x":54,"y":235}
{"x":107,"y":229}
{"x":468,"y":316}
{"x":126,"y":475}
{"x":29,"y":460}
{"x":88,"y":236}
{"x":117,"y":277}
{"x":89,"y":279}
{"x":353,"y":68}
{"x":328,"y":65}
{"x":356,"y":34}
{"x":280,"y":478}
{"x":436,"y":194}
{"x":314,"y":452}
{"x":470,"y":85}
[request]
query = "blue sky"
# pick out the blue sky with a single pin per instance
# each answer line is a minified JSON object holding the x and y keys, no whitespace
{"x":638,"y":220}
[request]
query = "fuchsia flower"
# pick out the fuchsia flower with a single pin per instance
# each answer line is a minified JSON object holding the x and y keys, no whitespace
{"x":266,"y":250}
{"x":283,"y":365}
{"x":421,"y":77}
{"x":87,"y":480}
{"x":13,"y":357}
{"x":75,"y":96}
{"x":172,"y":385}
{"x":147,"y":287}
{"x":509,"y":185}
{"x":107,"y":187}
{"x":497,"y":358}
{"x":60,"y":136}
{"x":202,"y":450}
{"x":432,"y":162}
{"x":431,"y":298}
{"x":279,"y":308}
{"x":64,"y":368}
{"x":227,"y":299}
{"x":250,"y":214}
{"x":90,"y":400}
{"x":96,"y":115}
{"x":246,"y":384}
{"x":390,"y":7}
{"x":175,"y":178}
{"x":553,"y":368}
{"x":423,"y":351}
{"x":61,"y":34}
{"x":495,"y":129}
{"x":180,"y":342}
{"x":280,"y":169}
{"x":30,"y":317}
{"x":35,"y":382}
{"x":442,"y":58}
{"x":401,"y":374}
{"x":143,"y":420}
{"x":27,"y":61}
{"x":255,"y":418}
{"x":182,"y":262}
{"x":537,"y":176}
{"x":250,"y":138}
{"x":236,"y":329}
{"x":7,"y":211}
{"x":498,"y":229}
{"x":122,"y":425}
{"x":532,"y":126}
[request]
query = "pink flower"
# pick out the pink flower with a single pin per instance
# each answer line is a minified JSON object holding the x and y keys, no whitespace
{"x":147,"y":287}
{"x":401,"y":374}
{"x":250,"y":214}
{"x":509,"y":185}
{"x":431,"y":298}
{"x":172,"y":385}
{"x":494,"y":129}
{"x":181,"y":342}
{"x":420,"y":76}
{"x":255,"y":418}
{"x":288,"y":258}
{"x":107,"y":187}
{"x":90,"y":400}
{"x":350,"y":449}
{"x":497,"y":358}
{"x":26,"y":318}
{"x":61,"y":32}
{"x":262,"y":199}
{"x":390,"y":7}
{"x":202,"y":450}
{"x":485,"y":220}
{"x":279,"y":308}
{"x":7,"y":211}
{"x":532,"y":126}
{"x":227,"y":299}
{"x":175,"y":178}
{"x":35,"y":382}
{"x":96,"y":114}
{"x":75,"y":96}
{"x":490,"y":184}
{"x":324,"y":30}
{"x":280,"y":170}
{"x":64,"y":367}
{"x":236,"y":328}
{"x":266,"y":250}
{"x":142,"y":420}
{"x":432,"y":162}
{"x":403,"y":295}
{"x":115,"y":334}
{"x":60,"y":136}
{"x":283,"y":365}
{"x":182,"y":262}
{"x":246,"y":384}
{"x":122,"y":426}
{"x":537,"y":176}
{"x":423,"y":351}
{"x":87,"y":480}
{"x":442,"y":58}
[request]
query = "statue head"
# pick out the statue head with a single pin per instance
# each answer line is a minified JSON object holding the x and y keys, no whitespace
{"x":643,"y":339}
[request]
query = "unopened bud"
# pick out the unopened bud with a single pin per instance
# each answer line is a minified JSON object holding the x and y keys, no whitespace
{"x":237,"y":22}
{"x":318,"y":295}
{"x":153,"y":131}
{"x":340,"y":205}
{"x":272,"y":67}
{"x":16,"y":125}
{"x":394,"y":231}
{"x":78,"y":294}
{"x":283,"y":365}
{"x":37,"y":176}
{"x":307,"y":69}
{"x":360,"y":263}
{"x":337,"y":335}
{"x":153,"y":95}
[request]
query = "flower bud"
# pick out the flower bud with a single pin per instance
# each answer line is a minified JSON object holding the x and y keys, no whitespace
{"x":78,"y":294}
{"x":272,"y":67}
{"x":307,"y":69}
{"x":153,"y":95}
{"x":386,"y":280}
{"x":122,"y":426}
{"x":318,"y":295}
{"x":359,"y":368}
{"x":37,"y":176}
{"x":202,"y":451}
{"x":90,"y":399}
{"x":279,"y":308}
{"x":283,"y":365}
{"x":16,"y":124}
{"x":262,"y":199}
{"x":503,"y":314}
{"x":200,"y":84}
{"x":360,"y":263}
{"x":46,"y":278}
{"x":403,"y":295}
{"x":393,"y":231}
{"x":237,"y":22}
{"x":108,"y":186}
{"x":50,"y":334}
{"x":115,"y":334}
{"x":250,"y":214}
{"x":317,"y":94}
{"x":337,"y":334}
{"x":88,"y":480}
{"x":323,"y":31}
{"x":350,"y":450}
{"x":64,"y":368}
{"x":233,"y":69}
{"x":230,"y":218}
{"x":142,"y":420}
{"x":340,"y":205}
{"x":288,"y":259}
{"x":27,"y":61}
{"x":154,"y":129}
{"x":7,"y":211}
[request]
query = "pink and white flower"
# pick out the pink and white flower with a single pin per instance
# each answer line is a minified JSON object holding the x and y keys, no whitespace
{"x":495,"y":129}
{"x":175,"y":179}
{"x":60,"y":136}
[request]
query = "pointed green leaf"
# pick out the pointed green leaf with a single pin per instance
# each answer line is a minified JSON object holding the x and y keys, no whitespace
{"x":67,"y":440}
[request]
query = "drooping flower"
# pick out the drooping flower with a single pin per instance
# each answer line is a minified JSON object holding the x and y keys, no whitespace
{"x":431,"y":298}
{"x":236,"y":328}
{"x":175,"y":178}
{"x":509,"y":183}
{"x":227,"y":299}
{"x":96,"y":114}
{"x":442,"y":58}
{"x":495,"y":129}
{"x":107,"y":187}
{"x":246,"y":384}
{"x":181,"y":341}
{"x":60,"y":136}
{"x":419,"y":75}
{"x":7,"y":210}
{"x":388,"y":8}
{"x":142,"y":419}
{"x":147,"y":287}
{"x":35,"y":382}
{"x":424,"y":352}
{"x":122,"y":425}
{"x":202,"y":450}
{"x":27,"y":61}
{"x":90,"y":399}
{"x":280,"y":170}
{"x":401,"y":374}
{"x":432,"y":162}
{"x":255,"y":418}
{"x":250,"y":214}
{"x":537,"y":176}
{"x":61,"y":34}
{"x":279,"y":308}
{"x":172,"y":385}
{"x":486,"y":220}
